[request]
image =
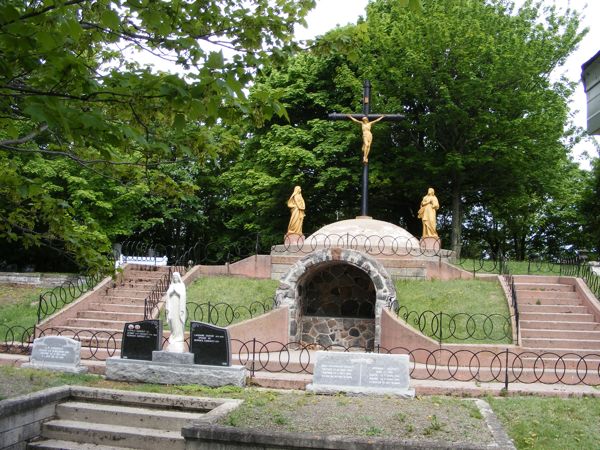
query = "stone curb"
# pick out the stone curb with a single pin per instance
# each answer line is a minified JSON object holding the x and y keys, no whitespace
{"x":494,"y":425}
{"x":201,"y":437}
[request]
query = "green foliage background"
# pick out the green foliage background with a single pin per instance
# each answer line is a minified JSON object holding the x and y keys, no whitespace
{"x":96,"y":147}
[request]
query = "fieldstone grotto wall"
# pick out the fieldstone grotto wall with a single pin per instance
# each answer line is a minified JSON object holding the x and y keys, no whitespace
{"x":351,"y":286}
{"x":346,"y":331}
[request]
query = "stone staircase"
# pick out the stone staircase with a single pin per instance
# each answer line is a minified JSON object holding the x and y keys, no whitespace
{"x":98,"y":321}
{"x":105,"y":419}
{"x":554,"y":317}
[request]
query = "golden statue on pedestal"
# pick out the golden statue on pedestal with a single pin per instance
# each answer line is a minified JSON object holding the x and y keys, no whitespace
{"x":297,"y":207}
{"x":427,"y":213}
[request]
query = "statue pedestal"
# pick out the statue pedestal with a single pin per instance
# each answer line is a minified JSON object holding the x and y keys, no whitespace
{"x":293,"y":239}
{"x":431,"y":243}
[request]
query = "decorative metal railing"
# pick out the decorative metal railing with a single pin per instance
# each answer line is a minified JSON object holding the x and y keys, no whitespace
{"x":16,"y":339}
{"x":224,"y":314}
{"x":571,"y":267}
{"x":484,"y":263}
{"x":458,"y":327}
{"x":369,"y":244}
{"x":58,"y":297}
{"x":509,"y":282}
{"x":442,"y":364}
{"x":153,"y":299}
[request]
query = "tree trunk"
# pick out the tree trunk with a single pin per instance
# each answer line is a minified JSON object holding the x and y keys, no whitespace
{"x":456,"y":237}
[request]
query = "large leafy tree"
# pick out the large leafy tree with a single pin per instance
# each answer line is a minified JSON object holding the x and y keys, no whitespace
{"x":85,"y":127}
{"x":484,"y":117}
{"x":484,"y":123}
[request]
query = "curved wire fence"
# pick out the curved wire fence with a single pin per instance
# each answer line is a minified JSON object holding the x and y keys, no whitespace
{"x":97,"y":345}
{"x":224,"y":314}
{"x":58,"y":297}
{"x":16,"y":339}
{"x":375,"y":245}
{"x":440,"y":364}
{"x":459,"y":326}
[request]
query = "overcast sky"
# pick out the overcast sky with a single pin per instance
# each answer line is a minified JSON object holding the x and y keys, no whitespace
{"x":329,"y":13}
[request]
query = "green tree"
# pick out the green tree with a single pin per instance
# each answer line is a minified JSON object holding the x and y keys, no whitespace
{"x":71,"y":88}
{"x":484,"y":124}
{"x":484,"y":118}
{"x":589,"y":210}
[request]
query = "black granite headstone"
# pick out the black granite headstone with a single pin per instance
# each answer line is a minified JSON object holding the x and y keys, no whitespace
{"x":140,"y":339}
{"x":209,"y":344}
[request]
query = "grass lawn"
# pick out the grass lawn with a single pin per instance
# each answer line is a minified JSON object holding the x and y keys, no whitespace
{"x":465,"y":304}
{"x":18,"y":306}
{"x":231,"y":299}
{"x":550,"y":423}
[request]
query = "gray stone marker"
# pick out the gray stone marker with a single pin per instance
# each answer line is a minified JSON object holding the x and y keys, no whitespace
{"x":361,"y":373}
{"x":56,"y":353}
{"x":165,"y":371}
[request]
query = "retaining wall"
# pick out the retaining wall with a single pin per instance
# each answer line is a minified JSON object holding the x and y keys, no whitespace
{"x":37,"y":279}
{"x":21,"y":418}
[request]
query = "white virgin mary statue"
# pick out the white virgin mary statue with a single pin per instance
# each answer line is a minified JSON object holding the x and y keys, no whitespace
{"x":176,"y":314}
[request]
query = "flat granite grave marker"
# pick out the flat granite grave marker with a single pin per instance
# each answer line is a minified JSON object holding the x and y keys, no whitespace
{"x":209,"y":344}
{"x":361,"y":373}
{"x":56,"y":353}
{"x":140,"y":339}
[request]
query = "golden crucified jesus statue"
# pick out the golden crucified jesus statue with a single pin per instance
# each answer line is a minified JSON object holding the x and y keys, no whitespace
{"x":366,"y":134}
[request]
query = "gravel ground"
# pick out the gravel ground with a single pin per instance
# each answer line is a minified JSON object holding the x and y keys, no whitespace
{"x":449,"y":420}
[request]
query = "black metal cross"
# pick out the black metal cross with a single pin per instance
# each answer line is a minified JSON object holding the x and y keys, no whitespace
{"x":366,"y":113}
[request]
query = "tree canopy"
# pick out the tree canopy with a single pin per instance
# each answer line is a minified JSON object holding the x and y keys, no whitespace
{"x":87,"y":131}
{"x":97,"y":145}
{"x":485,"y":120}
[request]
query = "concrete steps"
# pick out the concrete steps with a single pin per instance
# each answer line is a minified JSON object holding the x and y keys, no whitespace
{"x":112,"y":300}
{"x":86,"y":324}
{"x":554,"y":287}
{"x":562,"y":343}
{"x":118,"y":294}
{"x":562,"y":334}
{"x":549,"y":301}
{"x":121,"y":420}
{"x":111,"y":315}
{"x":144,"y":417}
{"x":49,"y":444}
{"x":117,"y":436}
{"x":563,"y":309}
{"x":99,"y":321}
{"x":540,"y":295}
{"x":553,"y":317}
{"x":529,"y":325}
{"x":557,"y":317}
{"x":117,"y":307}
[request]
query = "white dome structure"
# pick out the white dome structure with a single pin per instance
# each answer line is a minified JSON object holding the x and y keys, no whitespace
{"x":364,"y":234}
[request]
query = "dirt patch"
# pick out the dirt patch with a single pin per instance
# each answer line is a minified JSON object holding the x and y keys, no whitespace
{"x":451,"y":420}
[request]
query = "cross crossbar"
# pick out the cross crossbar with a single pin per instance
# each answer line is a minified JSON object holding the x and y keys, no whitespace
{"x":389,"y":117}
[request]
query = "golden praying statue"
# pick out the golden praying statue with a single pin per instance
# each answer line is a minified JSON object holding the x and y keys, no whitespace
{"x":296,"y":205}
{"x":429,"y":205}
{"x":366,"y":134}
